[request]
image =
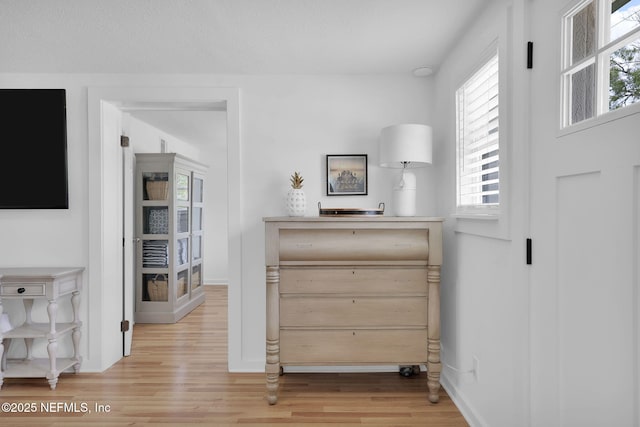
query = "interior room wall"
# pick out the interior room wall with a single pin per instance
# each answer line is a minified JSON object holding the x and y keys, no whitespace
{"x":288,"y":123}
{"x":483,"y":278}
{"x":216,"y":254}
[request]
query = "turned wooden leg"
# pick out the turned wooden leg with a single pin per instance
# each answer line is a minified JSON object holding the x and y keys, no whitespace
{"x":75,"y":336}
{"x":52,"y":376}
{"x":434,"y":367}
{"x":52,"y":347}
{"x":28,"y":343}
{"x":75,"y":305}
{"x":272,"y":367}
{"x":3,"y":358}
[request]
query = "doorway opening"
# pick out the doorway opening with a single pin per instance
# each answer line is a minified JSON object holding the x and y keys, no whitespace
{"x":104,"y":167}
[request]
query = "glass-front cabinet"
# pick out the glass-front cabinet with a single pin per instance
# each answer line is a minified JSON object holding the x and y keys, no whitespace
{"x":197,"y":232}
{"x":169,"y":228}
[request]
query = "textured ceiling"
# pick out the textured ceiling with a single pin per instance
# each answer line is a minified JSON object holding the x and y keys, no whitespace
{"x":226,"y":37}
{"x":229,"y":36}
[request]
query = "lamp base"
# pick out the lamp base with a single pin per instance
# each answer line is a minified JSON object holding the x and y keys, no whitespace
{"x":404,"y":195}
{"x":404,"y":202}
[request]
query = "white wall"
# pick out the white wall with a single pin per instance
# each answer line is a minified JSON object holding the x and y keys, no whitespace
{"x":484,"y":276}
{"x":216,"y":254}
{"x":288,"y":123}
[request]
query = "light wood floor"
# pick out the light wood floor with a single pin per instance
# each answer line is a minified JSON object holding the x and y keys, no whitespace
{"x":177,"y":375}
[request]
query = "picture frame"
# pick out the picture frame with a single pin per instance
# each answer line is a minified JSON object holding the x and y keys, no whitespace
{"x":347,"y":175}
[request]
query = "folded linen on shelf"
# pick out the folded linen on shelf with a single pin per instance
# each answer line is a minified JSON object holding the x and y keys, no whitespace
{"x":155,"y":254}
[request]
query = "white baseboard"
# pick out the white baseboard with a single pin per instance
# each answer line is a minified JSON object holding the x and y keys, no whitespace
{"x":343,"y":369}
{"x":467,"y":411}
{"x":216,"y":282}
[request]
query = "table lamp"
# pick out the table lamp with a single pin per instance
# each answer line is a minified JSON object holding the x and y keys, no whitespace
{"x":405,"y":146}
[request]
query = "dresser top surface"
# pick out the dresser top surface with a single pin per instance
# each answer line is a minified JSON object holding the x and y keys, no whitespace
{"x":363,"y":218}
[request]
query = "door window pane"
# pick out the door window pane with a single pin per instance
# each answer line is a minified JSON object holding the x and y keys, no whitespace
{"x":624,"y":76}
{"x":583,"y":99}
{"x":583,"y":25}
{"x":625,"y":16}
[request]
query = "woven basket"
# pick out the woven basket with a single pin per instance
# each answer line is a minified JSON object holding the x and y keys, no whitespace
{"x":157,"y":190}
{"x":195,"y":279}
{"x":158,"y":288}
{"x":182,"y":287}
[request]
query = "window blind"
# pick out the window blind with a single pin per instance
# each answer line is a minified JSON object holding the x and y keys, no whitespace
{"x":478,"y":138}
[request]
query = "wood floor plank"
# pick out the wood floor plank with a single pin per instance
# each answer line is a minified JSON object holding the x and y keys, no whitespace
{"x":177,"y":375}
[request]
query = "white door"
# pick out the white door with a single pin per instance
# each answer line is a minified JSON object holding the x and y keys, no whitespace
{"x":585,"y":197}
{"x":111,"y":294}
{"x":129,"y":248}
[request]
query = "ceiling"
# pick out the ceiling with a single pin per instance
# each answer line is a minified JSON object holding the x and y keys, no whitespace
{"x":228,"y":37}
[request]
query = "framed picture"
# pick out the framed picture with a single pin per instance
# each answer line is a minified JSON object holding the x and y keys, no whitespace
{"x":347,"y":175}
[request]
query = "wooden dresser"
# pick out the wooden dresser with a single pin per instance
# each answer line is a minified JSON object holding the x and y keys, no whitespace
{"x":353,"y":291}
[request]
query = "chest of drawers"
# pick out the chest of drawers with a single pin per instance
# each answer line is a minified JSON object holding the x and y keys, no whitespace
{"x":353,"y":291}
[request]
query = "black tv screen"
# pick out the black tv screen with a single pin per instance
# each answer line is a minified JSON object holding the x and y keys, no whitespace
{"x":33,"y":149}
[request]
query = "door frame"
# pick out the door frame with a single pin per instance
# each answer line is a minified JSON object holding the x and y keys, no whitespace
{"x":100,"y":170}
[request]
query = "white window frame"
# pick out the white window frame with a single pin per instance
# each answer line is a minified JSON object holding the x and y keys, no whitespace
{"x":480,"y":211}
{"x":600,"y":57}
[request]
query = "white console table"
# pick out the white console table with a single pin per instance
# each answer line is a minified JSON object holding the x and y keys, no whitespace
{"x":27,"y":285}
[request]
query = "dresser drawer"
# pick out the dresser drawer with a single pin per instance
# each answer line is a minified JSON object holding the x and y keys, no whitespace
{"x":336,"y":280}
{"x":22,"y":289}
{"x":356,"y":311}
{"x":408,"y":346}
{"x":345,"y":245}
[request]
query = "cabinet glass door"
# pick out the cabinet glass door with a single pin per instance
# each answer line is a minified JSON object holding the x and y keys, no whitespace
{"x":197,"y":190}
{"x":182,"y":251}
{"x":196,"y":278}
{"x":182,"y":219}
{"x":155,"y":220}
{"x":155,"y":185}
{"x":197,"y":248}
{"x":197,"y":231}
{"x":155,"y":287}
{"x":155,"y":254}
{"x":182,"y":283}
{"x":182,"y":187}
{"x":197,"y":219}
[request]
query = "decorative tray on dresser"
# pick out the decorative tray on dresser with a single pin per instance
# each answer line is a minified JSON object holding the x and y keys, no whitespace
{"x":353,"y":291}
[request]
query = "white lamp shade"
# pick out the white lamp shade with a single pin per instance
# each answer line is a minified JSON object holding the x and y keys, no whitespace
{"x":405,"y":145}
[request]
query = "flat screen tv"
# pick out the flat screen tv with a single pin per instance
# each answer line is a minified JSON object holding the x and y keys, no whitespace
{"x":33,"y":149}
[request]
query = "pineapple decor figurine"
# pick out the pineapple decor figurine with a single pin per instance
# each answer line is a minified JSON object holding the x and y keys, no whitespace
{"x":296,"y":199}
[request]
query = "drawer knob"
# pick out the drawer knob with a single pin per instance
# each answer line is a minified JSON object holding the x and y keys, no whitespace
{"x":21,"y":290}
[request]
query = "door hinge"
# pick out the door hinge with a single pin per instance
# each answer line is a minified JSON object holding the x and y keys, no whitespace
{"x":124,"y":141}
{"x":529,"y":55}
{"x":529,"y":260}
{"x":124,"y":326}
